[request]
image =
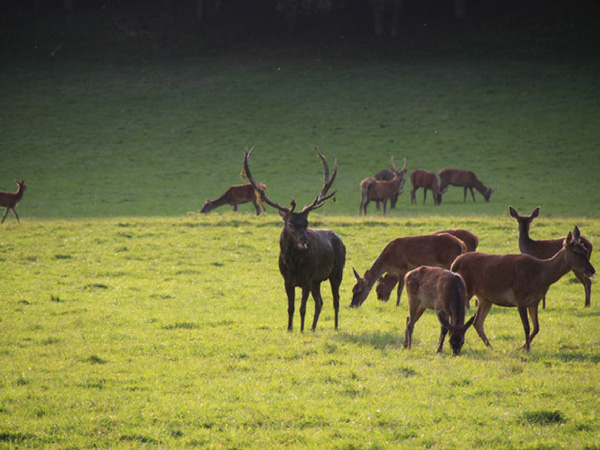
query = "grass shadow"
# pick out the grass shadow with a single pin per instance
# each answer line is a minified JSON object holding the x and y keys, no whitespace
{"x":379,"y":340}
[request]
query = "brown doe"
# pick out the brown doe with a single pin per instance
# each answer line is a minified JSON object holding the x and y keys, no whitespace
{"x":518,"y":280}
{"x":404,"y":254}
{"x":465,"y":178}
{"x":388,"y":175}
{"x":307,"y":257}
{"x":444,"y":292}
{"x":385,"y":285}
{"x":379,"y":191}
{"x":546,"y":248}
{"x":427,"y":180}
{"x":234,"y":196}
{"x":9,"y":200}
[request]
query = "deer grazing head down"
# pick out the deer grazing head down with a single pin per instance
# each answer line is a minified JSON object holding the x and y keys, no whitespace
{"x":307,"y":257}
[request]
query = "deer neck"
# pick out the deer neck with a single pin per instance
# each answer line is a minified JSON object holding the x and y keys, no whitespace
{"x":480,"y":187}
{"x":554,"y":268}
{"x":524,"y":240}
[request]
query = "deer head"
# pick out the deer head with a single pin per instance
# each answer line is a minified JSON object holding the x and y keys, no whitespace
{"x":295,"y":223}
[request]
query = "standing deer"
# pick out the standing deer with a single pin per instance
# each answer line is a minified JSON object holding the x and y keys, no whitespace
{"x":518,"y":280}
{"x":9,"y":200}
{"x":385,"y":285}
{"x":426,"y":180}
{"x":465,"y":178}
{"x":388,"y":175}
{"x":307,"y":256}
{"x":546,"y":248}
{"x":444,"y":292}
{"x":379,"y":191}
{"x":235,"y":195}
{"x":404,"y":254}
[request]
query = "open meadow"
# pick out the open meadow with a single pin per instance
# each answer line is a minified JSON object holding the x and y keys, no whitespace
{"x":130,"y":320}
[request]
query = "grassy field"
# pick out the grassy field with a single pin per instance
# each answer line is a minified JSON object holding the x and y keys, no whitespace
{"x":129,"y":320}
{"x":171,"y":333}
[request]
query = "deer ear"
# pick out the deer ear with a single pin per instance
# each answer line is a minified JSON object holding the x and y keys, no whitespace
{"x":535,"y":212}
{"x":513,"y":212}
{"x":576,"y":233}
{"x":282,"y":214}
{"x":358,"y":278}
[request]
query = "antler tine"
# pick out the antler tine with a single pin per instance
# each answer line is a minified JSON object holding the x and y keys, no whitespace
{"x":257,"y":188}
{"x":327,"y":183}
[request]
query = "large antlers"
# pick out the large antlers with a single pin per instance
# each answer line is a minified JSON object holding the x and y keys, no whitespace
{"x":317,"y":203}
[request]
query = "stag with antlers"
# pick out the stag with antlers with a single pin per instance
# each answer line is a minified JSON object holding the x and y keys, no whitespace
{"x":546,"y":248}
{"x":307,"y":256}
{"x":388,"y":175}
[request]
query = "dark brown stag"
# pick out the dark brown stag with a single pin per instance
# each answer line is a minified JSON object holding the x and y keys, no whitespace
{"x":307,"y":257}
{"x":404,"y":254}
{"x":9,"y":200}
{"x":444,"y":292}
{"x":385,"y":285}
{"x":428,"y":181}
{"x":234,"y":196}
{"x":388,"y":175}
{"x":519,"y":281}
{"x":466,"y":179}
{"x":546,"y":248}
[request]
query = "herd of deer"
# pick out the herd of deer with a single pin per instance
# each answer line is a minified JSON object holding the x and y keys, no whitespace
{"x":442,"y":271}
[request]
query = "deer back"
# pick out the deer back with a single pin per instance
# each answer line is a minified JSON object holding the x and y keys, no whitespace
{"x":429,"y":250}
{"x":470,"y":240}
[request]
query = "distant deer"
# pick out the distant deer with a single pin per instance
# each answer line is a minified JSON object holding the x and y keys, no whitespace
{"x":379,"y":191}
{"x":385,"y":285}
{"x":518,"y":280}
{"x":9,"y":200}
{"x":234,"y":196}
{"x":465,"y":178}
{"x":404,"y":254}
{"x":388,"y":175}
{"x":426,"y":180}
{"x":546,"y":248}
{"x":307,"y":257}
{"x":444,"y":292}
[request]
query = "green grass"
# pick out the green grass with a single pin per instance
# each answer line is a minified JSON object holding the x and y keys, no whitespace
{"x":171,"y":333}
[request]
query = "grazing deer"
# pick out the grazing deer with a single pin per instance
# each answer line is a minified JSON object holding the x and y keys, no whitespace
{"x":518,"y":280}
{"x":426,"y":180}
{"x":235,"y":195}
{"x":465,"y":178}
{"x":546,"y":248}
{"x":444,"y":292}
{"x":307,"y":257}
{"x":385,"y":285}
{"x":388,"y":175}
{"x":9,"y":200}
{"x":404,"y":254}
{"x":379,"y":191}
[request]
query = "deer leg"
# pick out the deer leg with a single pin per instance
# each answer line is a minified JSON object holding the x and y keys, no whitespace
{"x":5,"y":214}
{"x":256,"y":207}
{"x":415,"y":312}
{"x":291,"y":295}
{"x":525,"y":320}
{"x":443,"y":333}
{"x":400,"y":287}
{"x":305,"y":292}
{"x":424,"y":194}
{"x":316,"y":293}
{"x":587,"y":284}
{"x":482,"y":311}
{"x":377,"y":206}
{"x":413,"y":196}
{"x":472,"y":193}
{"x":335,"y":291}
{"x":384,"y":206}
{"x":533,"y":313}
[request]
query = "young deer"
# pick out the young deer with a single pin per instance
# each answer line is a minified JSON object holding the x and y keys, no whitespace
{"x":404,"y":254}
{"x":466,"y":179}
{"x":235,"y":195}
{"x":307,"y":257}
{"x":546,"y":248}
{"x":9,"y":200}
{"x":388,"y":175}
{"x":426,"y":180}
{"x":518,"y":280}
{"x":444,"y":292}
{"x":379,"y":191}
{"x":385,"y":285}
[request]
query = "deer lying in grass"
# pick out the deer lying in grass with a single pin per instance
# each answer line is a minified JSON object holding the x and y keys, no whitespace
{"x":385,"y":285}
{"x":379,"y":191}
{"x":465,"y":178}
{"x":518,"y":280}
{"x":234,"y":196}
{"x":307,"y":257}
{"x":444,"y":292}
{"x":9,"y":200}
{"x":546,"y":248}
{"x":404,"y":254}
{"x":388,"y":175}
{"x":427,"y":180}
